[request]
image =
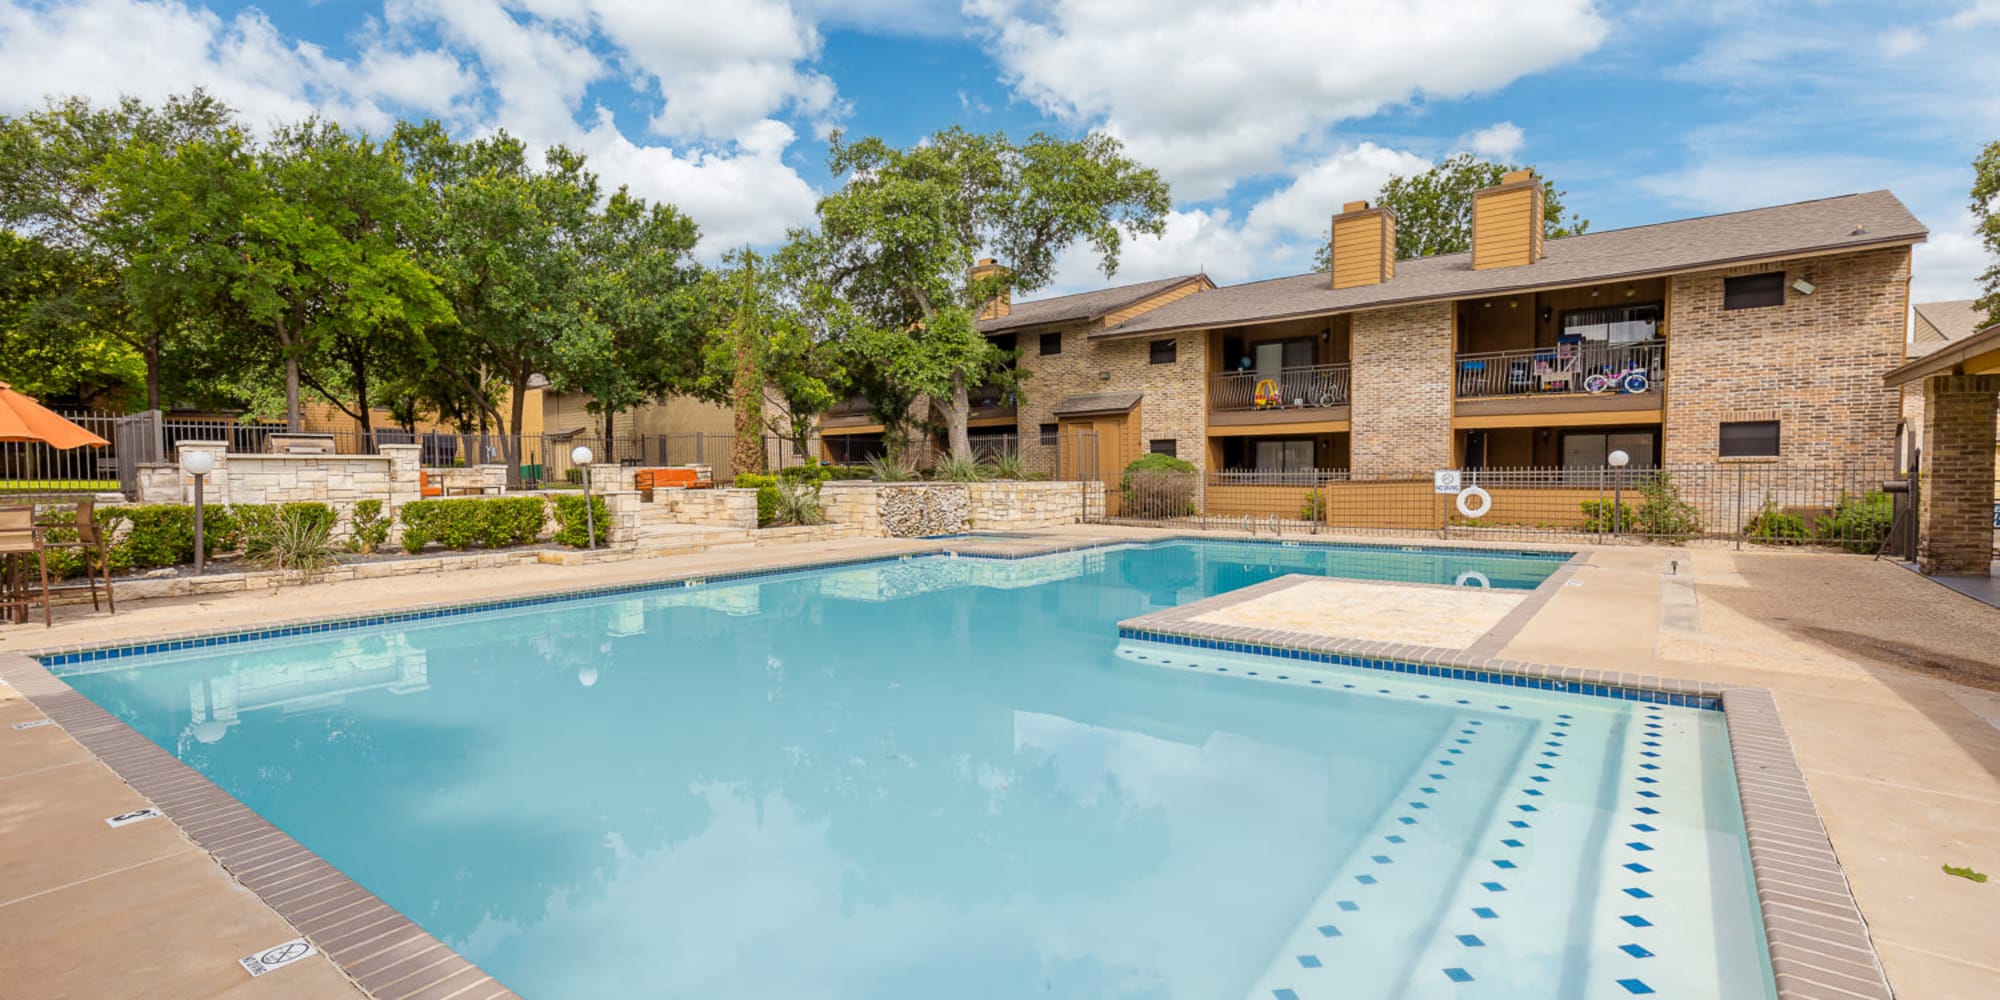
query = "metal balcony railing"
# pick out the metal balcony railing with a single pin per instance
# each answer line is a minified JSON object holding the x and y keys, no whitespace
{"x":1287,"y":388}
{"x":1587,"y":367}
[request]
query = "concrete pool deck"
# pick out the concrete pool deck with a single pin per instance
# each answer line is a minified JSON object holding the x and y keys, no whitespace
{"x":1862,"y":659}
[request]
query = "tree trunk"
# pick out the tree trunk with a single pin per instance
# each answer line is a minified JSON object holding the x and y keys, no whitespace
{"x":361,"y":414}
{"x":957,"y":415}
{"x":746,"y":453}
{"x":292,"y":421}
{"x":510,"y":435}
{"x":152,"y":353}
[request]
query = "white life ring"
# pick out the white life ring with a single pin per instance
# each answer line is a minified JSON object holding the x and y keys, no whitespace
{"x":1473,"y":577}
{"x":1485,"y":502}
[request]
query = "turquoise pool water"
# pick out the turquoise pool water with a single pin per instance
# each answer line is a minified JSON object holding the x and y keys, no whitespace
{"x":948,"y":777}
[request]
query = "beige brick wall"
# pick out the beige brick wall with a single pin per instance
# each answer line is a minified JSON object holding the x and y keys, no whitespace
{"x":1956,"y":524}
{"x":1173,"y":407}
{"x":1815,"y":362}
{"x":1402,"y":389}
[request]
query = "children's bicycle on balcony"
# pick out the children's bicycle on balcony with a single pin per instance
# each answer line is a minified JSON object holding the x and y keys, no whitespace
{"x":1631,"y":380}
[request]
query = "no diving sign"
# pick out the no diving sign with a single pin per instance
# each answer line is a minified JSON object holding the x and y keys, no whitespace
{"x":276,"y":958}
{"x":1446,"y":481}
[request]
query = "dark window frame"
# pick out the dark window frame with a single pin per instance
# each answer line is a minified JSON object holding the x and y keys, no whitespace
{"x":1170,"y":347}
{"x":1051,"y":433}
{"x":1749,"y":441}
{"x":1172,"y":449}
{"x":1049,"y":339}
{"x":1753,"y":291}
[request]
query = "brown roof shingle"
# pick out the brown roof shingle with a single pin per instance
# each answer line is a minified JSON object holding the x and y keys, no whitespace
{"x":1097,"y":402}
{"x":1940,"y":323}
{"x":1082,"y":305}
{"x":1856,"y":221}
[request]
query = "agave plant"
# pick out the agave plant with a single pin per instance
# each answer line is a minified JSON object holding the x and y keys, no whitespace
{"x":300,"y":545}
{"x":891,"y":469}
{"x":1008,"y":465}
{"x":952,"y":469}
{"x":798,"y":503}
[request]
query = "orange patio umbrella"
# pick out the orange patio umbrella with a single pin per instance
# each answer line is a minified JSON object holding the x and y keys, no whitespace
{"x":23,"y":419}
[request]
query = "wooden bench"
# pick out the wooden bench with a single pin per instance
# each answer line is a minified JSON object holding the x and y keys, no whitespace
{"x":694,"y":477}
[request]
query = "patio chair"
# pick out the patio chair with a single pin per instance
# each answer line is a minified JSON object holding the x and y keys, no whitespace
{"x":20,"y":538}
{"x":96,"y":550}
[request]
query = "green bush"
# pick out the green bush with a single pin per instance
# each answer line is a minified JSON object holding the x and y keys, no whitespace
{"x":888,"y":469}
{"x":767,"y":495}
{"x":1156,"y":485}
{"x":797,"y":503}
{"x":369,"y":525}
{"x":1314,"y":508}
{"x":951,"y":469}
{"x":803,"y":474}
{"x":573,"y":526}
{"x":1858,"y":523}
{"x":834,"y":472}
{"x":256,"y":526}
{"x":1008,"y":465}
{"x":299,"y":542}
{"x":1599,"y":517}
{"x":1773,"y":524}
{"x":1662,"y":512}
{"x":464,"y":523}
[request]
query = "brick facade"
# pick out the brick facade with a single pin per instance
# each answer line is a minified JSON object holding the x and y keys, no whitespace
{"x":1814,"y":363}
{"x":1402,"y":389}
{"x":1175,"y":395}
{"x":1957,"y":527}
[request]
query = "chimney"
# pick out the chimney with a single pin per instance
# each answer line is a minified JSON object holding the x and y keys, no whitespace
{"x":1364,"y":245}
{"x":1507,"y":222}
{"x":1001,"y":304}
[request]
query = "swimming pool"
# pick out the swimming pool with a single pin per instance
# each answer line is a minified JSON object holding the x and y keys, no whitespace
{"x":941,"y":776}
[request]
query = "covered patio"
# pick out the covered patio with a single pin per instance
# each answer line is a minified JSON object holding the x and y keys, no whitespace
{"x":1961,"y":389}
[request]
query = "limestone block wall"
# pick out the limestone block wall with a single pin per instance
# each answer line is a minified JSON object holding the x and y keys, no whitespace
{"x":726,"y":508}
{"x":623,"y":506}
{"x":1021,"y":506}
{"x":916,"y":510}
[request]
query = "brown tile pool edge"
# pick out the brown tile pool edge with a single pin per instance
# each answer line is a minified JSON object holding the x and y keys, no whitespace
{"x":382,"y":951}
{"x":1818,"y":940}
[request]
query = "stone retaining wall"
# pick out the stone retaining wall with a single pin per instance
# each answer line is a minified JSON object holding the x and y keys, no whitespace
{"x":917,"y":510}
{"x":723,"y":508}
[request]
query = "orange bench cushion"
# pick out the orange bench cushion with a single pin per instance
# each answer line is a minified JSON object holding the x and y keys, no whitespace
{"x":653,"y":479}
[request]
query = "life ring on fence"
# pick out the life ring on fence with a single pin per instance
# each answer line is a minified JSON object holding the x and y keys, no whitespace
{"x":1471,"y":577}
{"x":1485,"y":502}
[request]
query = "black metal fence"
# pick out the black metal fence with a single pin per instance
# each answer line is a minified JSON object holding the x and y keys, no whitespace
{"x":1840,"y":506}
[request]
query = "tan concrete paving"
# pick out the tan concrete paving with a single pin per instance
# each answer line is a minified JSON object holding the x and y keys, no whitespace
{"x":1441,"y":617}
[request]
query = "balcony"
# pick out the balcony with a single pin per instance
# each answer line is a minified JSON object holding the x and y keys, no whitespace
{"x":1586,"y":377}
{"x":1295,"y":394}
{"x":848,"y":413}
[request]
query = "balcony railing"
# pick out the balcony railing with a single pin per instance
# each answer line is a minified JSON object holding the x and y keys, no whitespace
{"x":1288,"y":388}
{"x":1587,"y":367}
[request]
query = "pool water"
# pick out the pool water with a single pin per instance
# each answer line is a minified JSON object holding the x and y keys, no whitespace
{"x":948,"y":777}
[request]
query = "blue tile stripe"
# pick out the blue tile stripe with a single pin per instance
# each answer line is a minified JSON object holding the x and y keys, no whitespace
{"x":1612,"y":691}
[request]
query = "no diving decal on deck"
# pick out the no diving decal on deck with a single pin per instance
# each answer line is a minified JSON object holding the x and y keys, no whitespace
{"x":135,"y":816}
{"x":32,"y":723}
{"x":276,"y":958}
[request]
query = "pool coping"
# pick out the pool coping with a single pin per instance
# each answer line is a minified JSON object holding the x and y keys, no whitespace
{"x":1816,"y":935}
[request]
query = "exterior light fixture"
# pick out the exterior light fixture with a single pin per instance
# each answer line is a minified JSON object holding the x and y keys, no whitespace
{"x":1617,"y":460}
{"x":1804,"y":287}
{"x":1104,"y":376}
{"x":198,"y":464}
{"x":580,"y":455}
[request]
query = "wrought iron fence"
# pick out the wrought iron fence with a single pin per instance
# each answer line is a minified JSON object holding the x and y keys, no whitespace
{"x":1592,"y":366}
{"x":1837,"y":506}
{"x":31,"y":469}
{"x":1296,"y":386}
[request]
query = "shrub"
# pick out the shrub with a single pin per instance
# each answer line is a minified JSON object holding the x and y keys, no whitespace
{"x":573,"y":525}
{"x":834,"y":472}
{"x":1598,"y":516}
{"x":298,"y":540}
{"x":1314,"y":508}
{"x":463,"y":523}
{"x":1662,"y":512}
{"x":1774,"y":524}
{"x":369,"y":525}
{"x":803,"y":474}
{"x":796,"y":503}
{"x":1008,"y":465}
{"x":889,"y":469}
{"x":1858,"y":523}
{"x":767,"y":495}
{"x":1157,"y":485}
{"x":952,"y":469}
{"x":257,"y":526}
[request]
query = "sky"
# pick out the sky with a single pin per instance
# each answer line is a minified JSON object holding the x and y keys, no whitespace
{"x":1263,"y":115}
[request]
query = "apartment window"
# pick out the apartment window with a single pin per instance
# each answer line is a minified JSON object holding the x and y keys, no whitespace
{"x":1592,"y":449}
{"x":1052,"y":343}
{"x":1049,"y":434}
{"x":1164,"y":446}
{"x":1162,"y":352}
{"x":1754,"y":291}
{"x":1749,"y":439}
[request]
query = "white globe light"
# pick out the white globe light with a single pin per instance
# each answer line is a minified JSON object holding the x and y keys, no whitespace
{"x":1618,"y":459}
{"x":580,"y":454}
{"x":211,"y":731}
{"x":587,"y":677}
{"x":198,"y":463}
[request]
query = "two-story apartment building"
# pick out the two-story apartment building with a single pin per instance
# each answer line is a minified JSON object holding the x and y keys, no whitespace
{"x":1756,"y":336}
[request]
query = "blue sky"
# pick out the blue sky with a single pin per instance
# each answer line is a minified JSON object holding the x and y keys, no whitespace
{"x":1264,"y":114}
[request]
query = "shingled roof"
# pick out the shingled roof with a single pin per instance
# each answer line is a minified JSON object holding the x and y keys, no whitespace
{"x":1082,"y":306}
{"x":1848,"y":222}
{"x":1940,"y":323}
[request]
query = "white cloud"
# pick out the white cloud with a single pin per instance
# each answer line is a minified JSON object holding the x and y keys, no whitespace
{"x":1949,"y":266}
{"x":479,"y":65}
{"x":1210,"y":93}
{"x":1498,"y":141}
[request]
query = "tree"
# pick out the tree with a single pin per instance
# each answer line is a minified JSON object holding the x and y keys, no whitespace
{"x":638,"y":340}
{"x":55,"y":192}
{"x":1434,"y":208}
{"x":1986,"y":212}
{"x":899,"y":240}
{"x":47,"y":352}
